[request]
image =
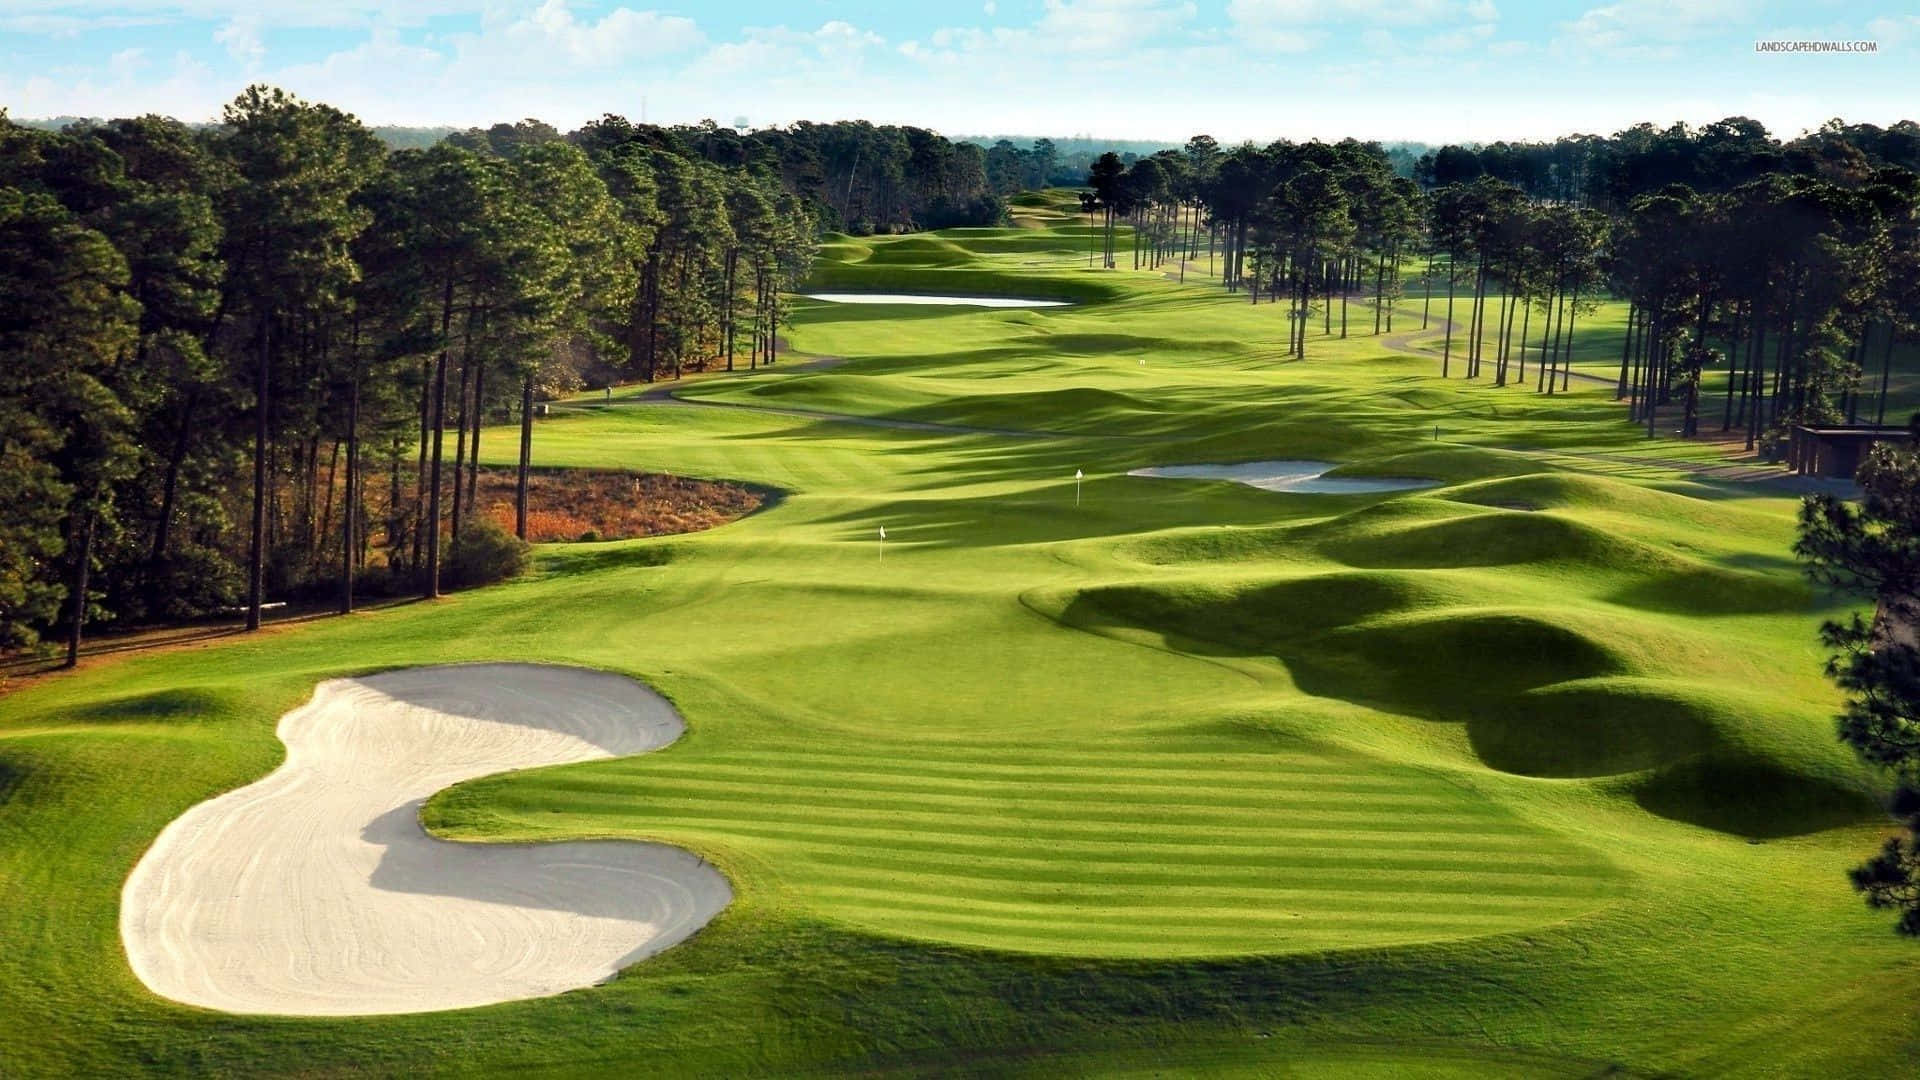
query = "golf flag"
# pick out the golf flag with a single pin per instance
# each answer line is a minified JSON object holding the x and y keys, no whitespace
{"x":1077,"y":475}
{"x":883,"y":532}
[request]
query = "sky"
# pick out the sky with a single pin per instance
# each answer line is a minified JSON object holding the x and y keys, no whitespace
{"x":1420,"y":70}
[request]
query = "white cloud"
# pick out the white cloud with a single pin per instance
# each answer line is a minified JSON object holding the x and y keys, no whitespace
{"x":126,"y":63}
{"x":1649,"y":27}
{"x":278,"y":14}
{"x":1111,"y":24}
{"x":1891,"y":30}
{"x":1298,"y":25}
{"x":241,"y":37}
{"x":990,"y":8}
{"x":1373,"y":12}
{"x":186,"y":90}
{"x":553,"y":36}
{"x":1467,"y":39}
{"x":778,"y":52}
{"x":63,"y":26}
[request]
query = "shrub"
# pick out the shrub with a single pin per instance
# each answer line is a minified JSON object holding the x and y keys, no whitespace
{"x":946,"y":212}
{"x":484,"y":553}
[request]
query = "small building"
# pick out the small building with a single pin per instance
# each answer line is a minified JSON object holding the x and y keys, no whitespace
{"x":1836,"y":450}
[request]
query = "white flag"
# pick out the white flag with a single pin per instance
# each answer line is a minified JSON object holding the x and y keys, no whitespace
{"x":1077,"y":474}
{"x":883,"y":532}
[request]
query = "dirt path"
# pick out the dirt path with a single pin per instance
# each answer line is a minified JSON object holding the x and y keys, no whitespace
{"x":1402,"y":342}
{"x":314,"y":891}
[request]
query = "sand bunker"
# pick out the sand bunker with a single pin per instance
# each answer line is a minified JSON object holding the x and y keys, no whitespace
{"x":315,"y":892}
{"x":943,"y":301}
{"x":1297,"y":476}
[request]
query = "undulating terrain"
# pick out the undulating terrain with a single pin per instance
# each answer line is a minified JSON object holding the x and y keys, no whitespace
{"x":1528,"y":772}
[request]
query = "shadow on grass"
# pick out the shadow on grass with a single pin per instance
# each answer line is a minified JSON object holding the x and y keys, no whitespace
{"x":572,"y":560}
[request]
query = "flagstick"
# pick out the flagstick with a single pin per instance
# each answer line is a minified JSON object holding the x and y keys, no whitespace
{"x":883,"y":543}
{"x":1077,"y":475}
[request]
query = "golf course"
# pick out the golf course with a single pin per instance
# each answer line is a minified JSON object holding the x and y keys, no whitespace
{"x":1014,"y":763}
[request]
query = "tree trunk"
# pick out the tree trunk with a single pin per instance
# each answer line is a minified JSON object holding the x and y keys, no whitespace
{"x":1626,"y":347}
{"x":1563,"y":350}
{"x":1733,"y":365}
{"x":460,"y":418}
{"x":169,"y":487}
{"x":431,"y":588}
{"x":349,"y":511}
{"x":1886,"y":372}
{"x":393,"y":507}
{"x":1501,"y":319}
{"x":733,"y":256}
{"x":473,"y":452}
{"x":256,"y":553}
{"x":77,"y":601}
{"x":526,"y":457}
{"x":420,"y":467}
{"x":1426,"y":290}
{"x":1526,"y":323}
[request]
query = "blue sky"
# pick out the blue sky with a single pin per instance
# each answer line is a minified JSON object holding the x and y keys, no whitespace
{"x":1430,"y":70}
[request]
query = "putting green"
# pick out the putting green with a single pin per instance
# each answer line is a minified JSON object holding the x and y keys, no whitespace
{"x":1529,"y":771}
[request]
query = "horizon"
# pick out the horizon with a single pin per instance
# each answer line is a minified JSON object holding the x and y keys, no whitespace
{"x":1431,"y":71}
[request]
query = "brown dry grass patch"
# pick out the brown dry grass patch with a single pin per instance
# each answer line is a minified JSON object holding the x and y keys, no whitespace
{"x":575,"y":504}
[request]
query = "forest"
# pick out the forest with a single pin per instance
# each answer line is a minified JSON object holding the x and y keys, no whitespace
{"x":1792,"y":267}
{"x":253,"y":360}
{"x":246,"y":349}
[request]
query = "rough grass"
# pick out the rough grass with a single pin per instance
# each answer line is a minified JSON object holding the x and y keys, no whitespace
{"x":1184,"y":779}
{"x":575,"y":504}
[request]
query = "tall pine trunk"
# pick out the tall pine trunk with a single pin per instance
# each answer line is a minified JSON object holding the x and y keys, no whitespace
{"x":526,"y":456}
{"x":350,"y":509}
{"x":431,"y":587}
{"x":257,"y":552}
{"x":82,"y":544}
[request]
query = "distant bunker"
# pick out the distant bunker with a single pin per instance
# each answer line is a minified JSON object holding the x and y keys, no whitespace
{"x":1298,"y":477}
{"x":936,"y":301}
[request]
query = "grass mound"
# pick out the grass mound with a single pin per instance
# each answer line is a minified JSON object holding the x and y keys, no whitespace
{"x":1072,"y":408}
{"x":843,"y":249}
{"x":1703,"y":589}
{"x":958,"y":280}
{"x":918,"y":250}
{"x":1216,"y":544}
{"x":13,"y":772}
{"x":1256,"y":617}
{"x":1570,"y":491}
{"x":1496,"y":538}
{"x":1453,"y":464}
{"x":1594,"y":727}
{"x":1448,"y":663}
{"x":175,"y":705}
{"x":1753,"y":797}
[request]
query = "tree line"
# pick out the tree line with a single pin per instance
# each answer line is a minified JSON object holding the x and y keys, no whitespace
{"x":256,"y":359}
{"x":1794,"y":268}
{"x":1609,"y":172}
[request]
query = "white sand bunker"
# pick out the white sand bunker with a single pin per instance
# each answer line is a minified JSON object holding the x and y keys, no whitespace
{"x":942,"y":301}
{"x":315,"y":892}
{"x":1298,"y":476}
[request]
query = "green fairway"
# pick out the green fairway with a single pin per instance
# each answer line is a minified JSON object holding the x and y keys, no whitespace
{"x":1531,"y":772}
